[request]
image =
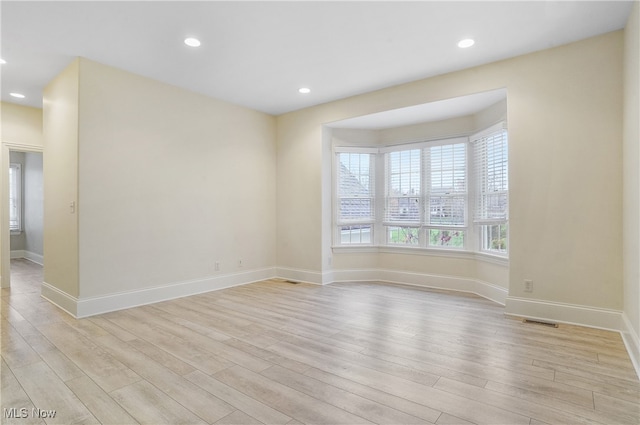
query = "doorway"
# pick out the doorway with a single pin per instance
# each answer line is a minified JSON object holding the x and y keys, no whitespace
{"x":26,"y":219}
{"x":22,"y":211}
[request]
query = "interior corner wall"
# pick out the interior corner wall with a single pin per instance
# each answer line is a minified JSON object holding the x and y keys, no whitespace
{"x":60,"y":129}
{"x":564,"y":112}
{"x":631,"y":183}
{"x":177,"y":191}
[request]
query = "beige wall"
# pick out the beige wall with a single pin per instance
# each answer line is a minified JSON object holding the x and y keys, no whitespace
{"x":631,"y":151}
{"x":564,"y":111}
{"x":21,"y":124}
{"x":170,"y":182}
{"x":60,"y":126}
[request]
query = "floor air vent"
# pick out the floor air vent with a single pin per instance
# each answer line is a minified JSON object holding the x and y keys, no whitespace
{"x":291,"y":281}
{"x":539,"y":322}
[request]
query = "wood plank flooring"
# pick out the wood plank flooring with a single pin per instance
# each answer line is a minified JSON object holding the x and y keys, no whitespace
{"x":280,"y":353}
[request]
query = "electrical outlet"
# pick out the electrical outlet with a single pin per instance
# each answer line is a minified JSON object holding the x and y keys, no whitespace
{"x":528,"y":285}
{"x":217,"y":266}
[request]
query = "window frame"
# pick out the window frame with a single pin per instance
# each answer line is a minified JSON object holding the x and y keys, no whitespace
{"x":15,"y":198}
{"x":424,"y":224}
{"x":381,"y":225}
{"x":338,"y":222}
{"x":481,"y":222}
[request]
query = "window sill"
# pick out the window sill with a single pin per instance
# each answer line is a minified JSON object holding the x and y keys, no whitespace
{"x":15,"y":232}
{"x":432,"y":252}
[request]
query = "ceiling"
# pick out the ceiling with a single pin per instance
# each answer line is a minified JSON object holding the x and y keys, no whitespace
{"x":258,"y":54}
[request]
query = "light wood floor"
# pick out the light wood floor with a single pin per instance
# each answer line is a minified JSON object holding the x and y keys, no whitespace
{"x":280,"y":353}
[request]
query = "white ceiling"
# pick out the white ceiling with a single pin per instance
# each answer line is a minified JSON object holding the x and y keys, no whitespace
{"x":257,"y":54}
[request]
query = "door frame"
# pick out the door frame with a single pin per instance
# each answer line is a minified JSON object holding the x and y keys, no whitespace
{"x":5,"y":234}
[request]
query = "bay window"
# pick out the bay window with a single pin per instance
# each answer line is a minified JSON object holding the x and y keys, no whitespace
{"x":444,"y":194}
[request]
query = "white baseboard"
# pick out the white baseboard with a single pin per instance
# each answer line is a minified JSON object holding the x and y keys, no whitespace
{"x":17,"y":253}
{"x":300,"y":275}
{"x":571,"y":314}
{"x":36,"y":258}
{"x":453,"y":283}
{"x":31,"y":256}
{"x":631,"y":342}
{"x":63,"y":300}
{"x":91,"y":306}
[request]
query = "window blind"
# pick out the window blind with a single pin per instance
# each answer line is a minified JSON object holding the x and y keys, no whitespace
{"x":491,"y":170}
{"x":355,"y":187}
{"x":446,"y":184}
{"x":403,"y":200}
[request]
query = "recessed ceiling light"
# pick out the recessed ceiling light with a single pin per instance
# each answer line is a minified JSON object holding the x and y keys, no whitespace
{"x":192,"y":42}
{"x":467,"y":42}
{"x":2,"y":61}
{"x":304,"y":90}
{"x":18,"y":95}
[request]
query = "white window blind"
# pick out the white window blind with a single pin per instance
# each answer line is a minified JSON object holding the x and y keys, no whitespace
{"x":403,"y":191}
{"x":490,"y":153}
{"x":15,"y":198}
{"x":446,"y":184}
{"x":356,"y":197}
{"x":355,"y":187}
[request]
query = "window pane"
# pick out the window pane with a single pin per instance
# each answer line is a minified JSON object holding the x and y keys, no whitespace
{"x":355,"y":187}
{"x":355,"y":174}
{"x":447,"y":210}
{"x":447,"y":184}
{"x":494,"y":206}
{"x":355,"y":208}
{"x":403,"y":235}
{"x":355,"y":235}
{"x":448,"y":169}
{"x":492,"y":175}
{"x":446,"y":238}
{"x":14,"y":196}
{"x":494,"y":238}
{"x":404,"y":173}
{"x":404,"y":181}
{"x":403,"y":209}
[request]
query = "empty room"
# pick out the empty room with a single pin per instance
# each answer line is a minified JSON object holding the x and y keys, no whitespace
{"x":333,"y":212}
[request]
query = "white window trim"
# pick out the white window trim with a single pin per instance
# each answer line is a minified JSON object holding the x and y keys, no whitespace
{"x":18,"y":190}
